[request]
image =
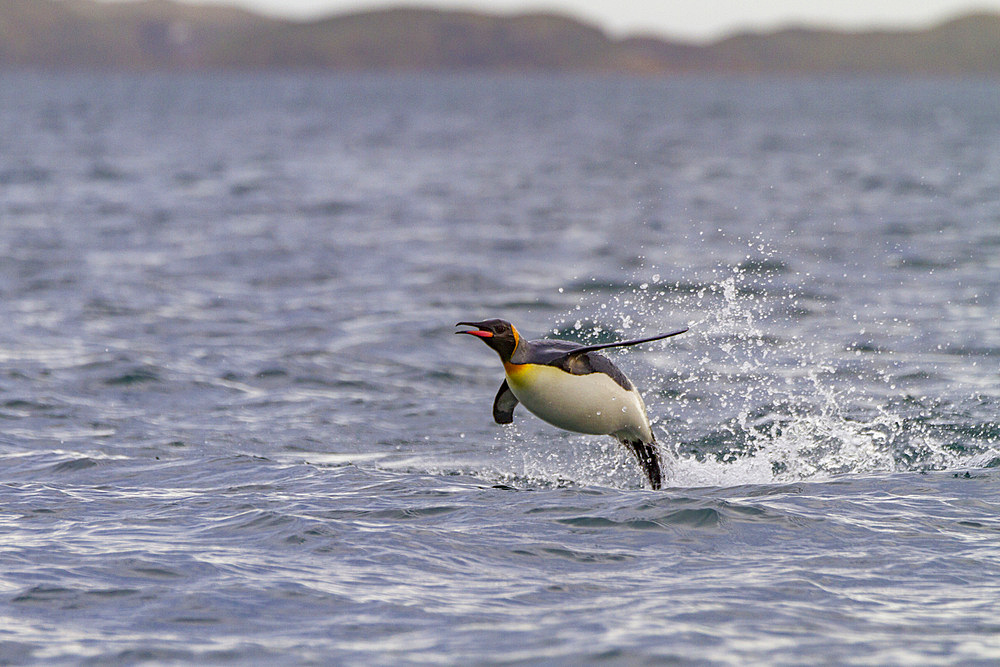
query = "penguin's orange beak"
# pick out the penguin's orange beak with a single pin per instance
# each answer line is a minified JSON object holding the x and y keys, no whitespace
{"x":474,"y":332}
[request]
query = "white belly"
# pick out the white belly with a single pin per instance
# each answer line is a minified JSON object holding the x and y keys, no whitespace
{"x":592,"y":403}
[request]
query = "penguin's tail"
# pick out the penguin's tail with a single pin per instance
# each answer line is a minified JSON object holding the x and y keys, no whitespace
{"x":649,"y":459}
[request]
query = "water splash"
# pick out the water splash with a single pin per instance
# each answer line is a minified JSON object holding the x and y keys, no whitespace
{"x":753,"y":394}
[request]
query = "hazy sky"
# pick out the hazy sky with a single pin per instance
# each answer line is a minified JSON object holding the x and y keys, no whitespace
{"x":690,"y":19}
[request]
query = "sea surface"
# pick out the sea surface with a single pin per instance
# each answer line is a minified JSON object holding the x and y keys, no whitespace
{"x":236,"y":426}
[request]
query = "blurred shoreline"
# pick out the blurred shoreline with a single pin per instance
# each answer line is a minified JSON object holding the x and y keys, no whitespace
{"x":166,"y":35}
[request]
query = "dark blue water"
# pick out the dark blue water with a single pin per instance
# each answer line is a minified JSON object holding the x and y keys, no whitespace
{"x":235,"y":425}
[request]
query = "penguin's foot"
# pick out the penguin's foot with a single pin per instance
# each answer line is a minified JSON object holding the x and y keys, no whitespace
{"x":649,"y":458}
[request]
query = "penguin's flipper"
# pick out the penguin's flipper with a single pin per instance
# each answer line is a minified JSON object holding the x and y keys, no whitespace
{"x":649,"y":459}
{"x":623,"y":343}
{"x":504,"y":404}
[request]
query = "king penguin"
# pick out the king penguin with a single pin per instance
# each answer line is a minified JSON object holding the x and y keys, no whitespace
{"x":573,"y":387}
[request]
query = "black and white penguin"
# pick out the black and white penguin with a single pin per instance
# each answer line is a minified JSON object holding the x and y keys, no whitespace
{"x":573,"y":387}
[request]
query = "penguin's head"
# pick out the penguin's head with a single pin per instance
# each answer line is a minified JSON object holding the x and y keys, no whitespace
{"x":498,"y":334}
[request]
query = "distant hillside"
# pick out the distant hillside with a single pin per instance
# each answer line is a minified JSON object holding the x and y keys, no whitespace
{"x":969,"y":44}
{"x":158,"y":34}
{"x":164,"y":34}
{"x":423,"y":39}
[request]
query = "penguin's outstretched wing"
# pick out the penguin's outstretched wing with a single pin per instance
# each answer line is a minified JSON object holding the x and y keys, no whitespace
{"x":504,"y":404}
{"x":600,"y":346}
{"x":578,"y":361}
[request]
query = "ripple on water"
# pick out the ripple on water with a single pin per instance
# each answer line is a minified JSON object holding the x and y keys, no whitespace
{"x":74,"y":465}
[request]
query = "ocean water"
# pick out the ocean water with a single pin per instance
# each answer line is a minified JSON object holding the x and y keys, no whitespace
{"x":235,"y":426}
